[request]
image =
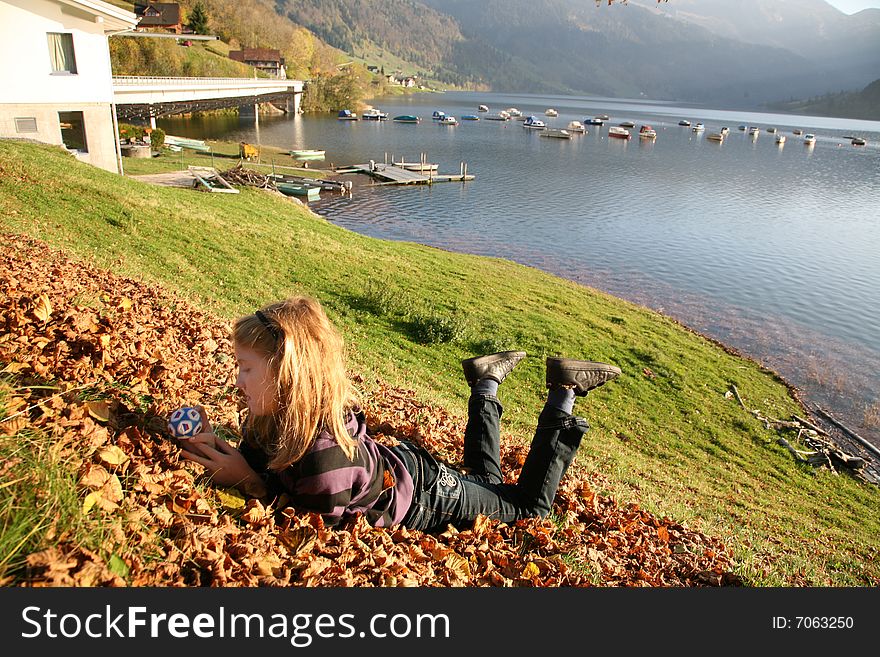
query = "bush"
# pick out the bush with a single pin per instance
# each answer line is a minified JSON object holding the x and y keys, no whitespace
{"x":378,"y":298}
{"x":435,"y":327}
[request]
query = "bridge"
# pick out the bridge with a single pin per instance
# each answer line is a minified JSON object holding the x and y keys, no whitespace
{"x":147,"y":98}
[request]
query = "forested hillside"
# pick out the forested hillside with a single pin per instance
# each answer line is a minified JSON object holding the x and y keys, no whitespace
{"x":410,"y":30}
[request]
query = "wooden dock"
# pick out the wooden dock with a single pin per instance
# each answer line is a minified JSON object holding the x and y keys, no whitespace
{"x":390,"y":174}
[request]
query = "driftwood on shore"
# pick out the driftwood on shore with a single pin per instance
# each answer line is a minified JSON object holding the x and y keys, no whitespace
{"x":822,"y":449}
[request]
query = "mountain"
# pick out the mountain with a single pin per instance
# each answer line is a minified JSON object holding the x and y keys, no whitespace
{"x":845,"y":48}
{"x":743,"y":53}
{"x":864,"y":104}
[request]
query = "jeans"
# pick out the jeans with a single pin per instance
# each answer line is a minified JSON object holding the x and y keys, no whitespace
{"x":444,"y":496}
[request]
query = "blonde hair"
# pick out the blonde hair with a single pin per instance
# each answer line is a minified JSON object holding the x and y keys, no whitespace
{"x":306,"y":356}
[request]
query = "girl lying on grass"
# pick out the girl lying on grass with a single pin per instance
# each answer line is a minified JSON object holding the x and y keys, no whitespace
{"x":305,"y":434}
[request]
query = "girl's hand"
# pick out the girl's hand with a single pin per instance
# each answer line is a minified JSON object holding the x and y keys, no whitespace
{"x":224,"y":463}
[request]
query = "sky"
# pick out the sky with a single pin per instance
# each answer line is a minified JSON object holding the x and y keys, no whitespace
{"x":852,"y":6}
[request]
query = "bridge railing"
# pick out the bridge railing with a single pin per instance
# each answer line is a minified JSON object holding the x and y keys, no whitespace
{"x":133,"y":80}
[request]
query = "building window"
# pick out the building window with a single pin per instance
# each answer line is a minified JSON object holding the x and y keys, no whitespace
{"x":73,"y":131}
{"x":61,"y":53}
{"x":25,"y":124}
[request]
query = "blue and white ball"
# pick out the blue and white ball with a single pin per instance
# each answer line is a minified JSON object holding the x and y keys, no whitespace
{"x":185,"y":422}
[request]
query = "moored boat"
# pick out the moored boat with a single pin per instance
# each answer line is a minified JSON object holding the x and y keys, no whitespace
{"x":407,"y":118}
{"x":698,"y":128}
{"x":558,"y":133}
{"x":534,"y":123}
{"x":483,"y":108}
{"x":470,"y":117}
{"x":685,"y":123}
{"x":576,"y":126}
{"x":780,"y":139}
{"x":725,"y":131}
{"x":298,"y":189}
{"x":715,"y":136}
{"x":594,"y":121}
{"x":771,"y":130}
{"x":627,"y":124}
{"x":346,"y":115}
{"x":374,"y":114}
{"x":448,"y":120}
{"x":647,"y":132}
{"x":809,"y":139}
{"x":512,"y":111}
{"x":743,"y":128}
{"x":307,"y":154}
{"x":603,"y":117}
{"x":858,"y":141}
{"x":619,"y":133}
{"x":754,"y":131}
{"x":500,"y":116}
{"x":550,"y":112}
{"x":437,"y":115}
{"x":797,"y":131}
{"x":417,"y":166}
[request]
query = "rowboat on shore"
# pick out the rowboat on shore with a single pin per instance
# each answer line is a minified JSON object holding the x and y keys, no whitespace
{"x":298,"y":189}
{"x":307,"y":154}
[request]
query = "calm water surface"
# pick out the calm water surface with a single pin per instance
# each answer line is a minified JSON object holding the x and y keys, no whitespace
{"x":770,"y":249}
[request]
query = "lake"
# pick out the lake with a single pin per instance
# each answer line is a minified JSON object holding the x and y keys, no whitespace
{"x":770,"y":249}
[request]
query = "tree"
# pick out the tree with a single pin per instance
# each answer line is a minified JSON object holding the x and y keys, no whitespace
{"x":198,"y":19}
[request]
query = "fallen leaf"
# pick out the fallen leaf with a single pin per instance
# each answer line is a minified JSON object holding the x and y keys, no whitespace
{"x":111,"y":456}
{"x":43,"y":308}
{"x":99,"y":410}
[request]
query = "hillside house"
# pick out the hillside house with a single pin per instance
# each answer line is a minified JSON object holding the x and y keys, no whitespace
{"x":159,"y":16}
{"x":57,"y":82}
{"x":268,"y":60}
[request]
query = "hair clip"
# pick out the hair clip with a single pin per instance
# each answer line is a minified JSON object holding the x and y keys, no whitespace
{"x":273,"y":329}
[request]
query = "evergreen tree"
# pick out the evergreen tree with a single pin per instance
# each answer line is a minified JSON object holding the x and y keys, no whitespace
{"x":198,"y":19}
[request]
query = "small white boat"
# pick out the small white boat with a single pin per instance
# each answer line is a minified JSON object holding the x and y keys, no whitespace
{"x":858,"y":141}
{"x":698,"y":128}
{"x":627,"y":124}
{"x":647,"y":132}
{"x":725,"y":131}
{"x":500,"y":116}
{"x":576,"y":126}
{"x":448,"y":120}
{"x":715,"y":136}
{"x":483,"y":108}
{"x":754,"y":131}
{"x":512,"y":111}
{"x":534,"y":123}
{"x":558,"y":133}
{"x":809,"y":139}
{"x":685,"y":123}
{"x":416,"y":166}
{"x":308,"y":154}
{"x":619,"y":133}
{"x":780,"y":139}
{"x":374,"y":114}
{"x":550,"y":112}
{"x":603,"y":117}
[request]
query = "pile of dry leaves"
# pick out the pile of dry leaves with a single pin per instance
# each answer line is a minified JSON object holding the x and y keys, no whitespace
{"x":122,"y":355}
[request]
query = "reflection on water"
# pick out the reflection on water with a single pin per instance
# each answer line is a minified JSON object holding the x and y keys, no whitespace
{"x":770,"y":249}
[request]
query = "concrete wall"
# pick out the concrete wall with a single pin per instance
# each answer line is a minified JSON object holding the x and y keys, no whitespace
{"x":98,"y":127}
{"x":29,"y":89}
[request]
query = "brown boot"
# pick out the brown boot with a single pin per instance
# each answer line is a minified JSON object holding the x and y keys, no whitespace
{"x":579,"y":375}
{"x":493,"y":366}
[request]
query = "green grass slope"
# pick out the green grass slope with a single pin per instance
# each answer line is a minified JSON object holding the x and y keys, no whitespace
{"x":664,"y":435}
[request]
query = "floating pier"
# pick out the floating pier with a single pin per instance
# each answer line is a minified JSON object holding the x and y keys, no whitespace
{"x":392,"y":174}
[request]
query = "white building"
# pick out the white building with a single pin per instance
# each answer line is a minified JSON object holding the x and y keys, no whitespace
{"x":56,"y":83}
